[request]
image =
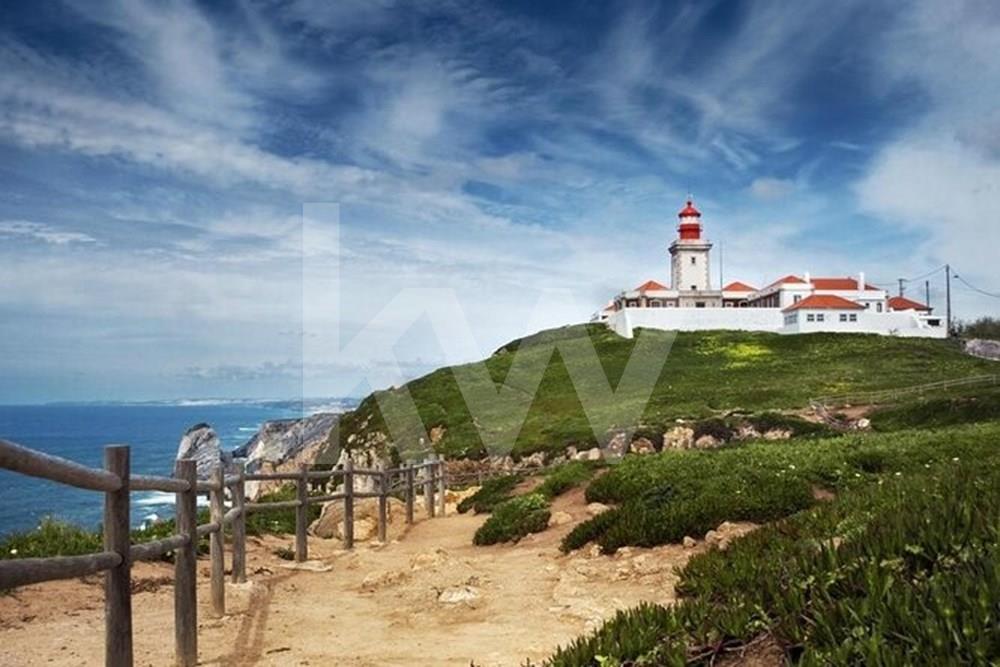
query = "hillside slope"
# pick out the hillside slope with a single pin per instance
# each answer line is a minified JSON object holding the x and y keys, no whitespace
{"x":704,"y":373}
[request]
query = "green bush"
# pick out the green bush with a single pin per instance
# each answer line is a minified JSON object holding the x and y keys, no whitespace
{"x":882,"y":575}
{"x":278,"y":521}
{"x":491,"y":493}
{"x":677,"y":493}
{"x":513,"y":519}
{"x":567,"y":476}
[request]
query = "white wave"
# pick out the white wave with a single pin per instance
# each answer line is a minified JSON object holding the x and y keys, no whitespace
{"x":161,"y":499}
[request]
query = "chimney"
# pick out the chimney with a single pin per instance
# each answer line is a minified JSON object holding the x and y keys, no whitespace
{"x":861,"y":281}
{"x":808,"y":277}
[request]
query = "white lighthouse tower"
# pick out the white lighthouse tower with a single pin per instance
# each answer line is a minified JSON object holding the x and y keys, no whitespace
{"x":689,"y":254}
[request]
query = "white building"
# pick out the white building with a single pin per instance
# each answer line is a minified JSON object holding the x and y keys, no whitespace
{"x":790,"y":305}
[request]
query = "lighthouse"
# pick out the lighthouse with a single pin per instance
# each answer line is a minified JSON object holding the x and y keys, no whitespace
{"x":689,"y":253}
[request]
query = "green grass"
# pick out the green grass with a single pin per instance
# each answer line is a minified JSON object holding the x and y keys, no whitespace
{"x":884,"y":575}
{"x":705,"y":373}
{"x":963,"y":407}
{"x":567,"y":476}
{"x":665,"y":497}
{"x":512,"y":519}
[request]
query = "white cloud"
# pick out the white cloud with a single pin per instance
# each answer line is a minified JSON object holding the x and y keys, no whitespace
{"x":771,"y":188}
{"x":42,"y":232}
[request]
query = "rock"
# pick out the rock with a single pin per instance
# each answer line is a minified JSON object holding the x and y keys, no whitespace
{"x":593,"y":509}
{"x":618,"y":445}
{"x":330,"y":523}
{"x":571,"y":452}
{"x":679,"y":437}
{"x":863,"y":424}
{"x":642,"y":446}
{"x":437,"y":433}
{"x":777,"y":434}
{"x":377,"y":580}
{"x":594,"y":551}
{"x":560,"y":519}
{"x":595,"y":454}
{"x":987,"y":349}
{"x":429,"y":559}
{"x":690,"y":543}
{"x":458,"y":595}
{"x":280,"y":440}
{"x":706,"y":442}
{"x":536,"y":460}
{"x":721,"y":537}
{"x":201,"y":443}
{"x":746,"y":432}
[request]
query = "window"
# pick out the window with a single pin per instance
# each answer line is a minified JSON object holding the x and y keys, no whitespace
{"x":699,"y":304}
{"x":843,"y":317}
{"x":878,"y":307}
{"x":797,"y":298}
{"x":810,"y":318}
{"x":694,"y":261}
{"x":694,"y":288}
{"x":854,"y":317}
{"x":820,"y":317}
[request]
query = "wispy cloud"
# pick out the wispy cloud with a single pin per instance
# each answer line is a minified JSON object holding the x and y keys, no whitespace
{"x":41,"y":232}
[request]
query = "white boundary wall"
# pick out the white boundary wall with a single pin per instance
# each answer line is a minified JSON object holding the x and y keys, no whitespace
{"x":696,"y":319}
{"x":904,"y":324}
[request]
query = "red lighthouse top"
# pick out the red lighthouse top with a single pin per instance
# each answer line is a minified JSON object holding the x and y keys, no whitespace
{"x":689,"y":211}
{"x":690,"y":227}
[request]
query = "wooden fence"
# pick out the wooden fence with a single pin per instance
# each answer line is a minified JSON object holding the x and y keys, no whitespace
{"x":116,"y":482}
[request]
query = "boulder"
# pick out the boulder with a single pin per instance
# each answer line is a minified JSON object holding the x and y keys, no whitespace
{"x":201,"y":443}
{"x":778,"y":434}
{"x":706,"y":442}
{"x":679,"y":437}
{"x":429,"y":559}
{"x":721,"y":537}
{"x":642,"y":446}
{"x":593,"y":509}
{"x":560,"y":519}
{"x":594,"y":454}
{"x":536,"y":460}
{"x":280,"y":440}
{"x":618,"y":444}
{"x":330,"y":523}
{"x":863,"y":424}
{"x":690,"y":542}
{"x":458,"y":595}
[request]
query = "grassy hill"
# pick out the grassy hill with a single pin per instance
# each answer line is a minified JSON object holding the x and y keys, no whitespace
{"x":705,"y":373}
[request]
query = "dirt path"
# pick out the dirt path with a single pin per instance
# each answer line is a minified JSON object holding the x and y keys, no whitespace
{"x":430,"y":598}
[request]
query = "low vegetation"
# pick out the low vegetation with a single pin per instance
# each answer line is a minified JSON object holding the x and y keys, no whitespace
{"x":937,"y":411}
{"x":984,"y":327}
{"x":902,"y":568}
{"x":705,"y":374}
{"x":493,"y":492}
{"x":516,"y":517}
{"x":665,"y":497}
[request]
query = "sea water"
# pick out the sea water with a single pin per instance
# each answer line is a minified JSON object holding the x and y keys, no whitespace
{"x":153,"y":431}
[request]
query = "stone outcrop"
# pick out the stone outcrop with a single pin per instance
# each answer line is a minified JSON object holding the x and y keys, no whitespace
{"x":282,"y":445}
{"x":330,"y":523}
{"x":987,"y":349}
{"x":201,"y":443}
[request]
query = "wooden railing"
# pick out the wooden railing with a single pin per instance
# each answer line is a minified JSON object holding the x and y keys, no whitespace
{"x":116,"y":482}
{"x":823,"y":405}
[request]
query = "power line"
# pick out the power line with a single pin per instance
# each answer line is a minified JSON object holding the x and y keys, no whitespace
{"x":926,"y":275}
{"x":976,"y":289}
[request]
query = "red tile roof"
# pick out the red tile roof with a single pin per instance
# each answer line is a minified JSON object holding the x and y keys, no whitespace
{"x":650,"y":285}
{"x":824,"y":302}
{"x":839,"y":284}
{"x":786,"y":280}
{"x":738,"y":287}
{"x":902,"y":303}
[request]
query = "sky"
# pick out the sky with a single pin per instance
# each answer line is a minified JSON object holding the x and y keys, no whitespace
{"x":301,"y":197}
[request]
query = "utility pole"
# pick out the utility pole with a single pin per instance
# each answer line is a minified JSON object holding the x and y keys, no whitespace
{"x":947,"y":292}
{"x":927,"y":291}
{"x":901,"y":287}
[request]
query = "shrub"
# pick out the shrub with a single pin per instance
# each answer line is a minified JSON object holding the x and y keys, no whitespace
{"x":278,"y":521}
{"x":881,"y":575}
{"x":492,"y":492}
{"x":513,"y":519}
{"x":562,"y":478}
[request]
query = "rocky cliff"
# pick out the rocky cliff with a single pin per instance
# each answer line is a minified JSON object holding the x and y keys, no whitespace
{"x":201,"y":443}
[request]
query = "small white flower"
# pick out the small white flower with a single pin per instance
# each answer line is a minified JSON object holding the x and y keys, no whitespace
{"x":13,"y":552}
{"x":955,"y":459}
{"x":899,"y":474}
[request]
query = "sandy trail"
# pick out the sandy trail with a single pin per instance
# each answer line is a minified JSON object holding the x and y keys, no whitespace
{"x":428,"y":598}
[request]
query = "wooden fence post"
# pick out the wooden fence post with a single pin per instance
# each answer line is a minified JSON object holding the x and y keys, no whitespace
{"x":185,"y":568}
{"x":383,"y":502}
{"x":442,"y":487}
{"x":118,"y":580}
{"x":217,"y":542}
{"x":428,"y":482}
{"x":240,"y":526}
{"x":302,"y":514}
{"x":349,"y":504}
{"x":409,"y":493}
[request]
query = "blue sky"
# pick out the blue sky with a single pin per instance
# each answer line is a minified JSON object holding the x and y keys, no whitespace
{"x":527,"y":158}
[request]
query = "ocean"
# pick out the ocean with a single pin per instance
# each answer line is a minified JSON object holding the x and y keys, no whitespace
{"x":153,"y":430}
